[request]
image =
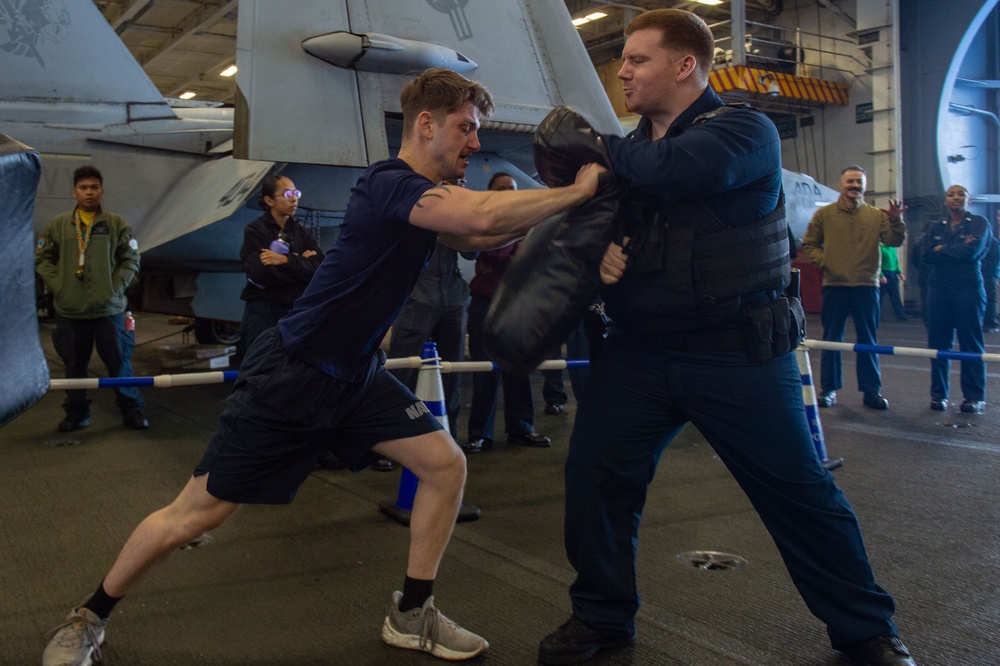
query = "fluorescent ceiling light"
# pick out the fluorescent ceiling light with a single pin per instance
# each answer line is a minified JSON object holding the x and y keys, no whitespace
{"x":589,"y":17}
{"x":228,"y":71}
{"x":709,"y":2}
{"x":187,"y":95}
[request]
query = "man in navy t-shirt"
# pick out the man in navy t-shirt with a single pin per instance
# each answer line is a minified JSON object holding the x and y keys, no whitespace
{"x":317,"y":383}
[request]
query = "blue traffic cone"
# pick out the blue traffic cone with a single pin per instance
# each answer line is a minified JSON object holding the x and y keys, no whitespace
{"x":431,"y":391}
{"x":812,"y":409}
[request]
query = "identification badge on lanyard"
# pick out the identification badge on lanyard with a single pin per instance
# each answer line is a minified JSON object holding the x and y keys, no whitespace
{"x":82,"y":241}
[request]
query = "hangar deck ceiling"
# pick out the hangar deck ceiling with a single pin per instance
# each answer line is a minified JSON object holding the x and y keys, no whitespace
{"x":183,"y":45}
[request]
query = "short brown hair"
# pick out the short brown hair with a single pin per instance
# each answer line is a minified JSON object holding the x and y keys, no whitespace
{"x":683,"y":33}
{"x":442,"y":91}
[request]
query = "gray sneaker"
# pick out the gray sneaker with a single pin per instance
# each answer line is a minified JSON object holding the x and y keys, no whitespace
{"x":77,"y":641}
{"x":428,"y":630}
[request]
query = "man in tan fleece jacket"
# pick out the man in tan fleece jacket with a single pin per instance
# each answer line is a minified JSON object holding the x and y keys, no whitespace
{"x":843,"y":239}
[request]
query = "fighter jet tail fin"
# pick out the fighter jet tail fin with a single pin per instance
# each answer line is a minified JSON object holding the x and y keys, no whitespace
{"x":62,"y":63}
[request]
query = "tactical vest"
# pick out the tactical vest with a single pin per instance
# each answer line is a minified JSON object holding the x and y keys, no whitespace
{"x":688,"y":269}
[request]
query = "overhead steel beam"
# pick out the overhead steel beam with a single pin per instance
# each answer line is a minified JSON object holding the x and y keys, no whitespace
{"x":197,"y":21}
{"x":840,"y":12}
{"x":135,"y":9}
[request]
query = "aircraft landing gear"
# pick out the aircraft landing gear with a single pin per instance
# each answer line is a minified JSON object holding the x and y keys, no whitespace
{"x":215,"y":332}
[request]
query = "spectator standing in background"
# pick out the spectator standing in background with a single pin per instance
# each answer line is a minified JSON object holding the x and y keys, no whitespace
{"x":891,"y":282}
{"x":279,"y":256}
{"x":87,"y":259}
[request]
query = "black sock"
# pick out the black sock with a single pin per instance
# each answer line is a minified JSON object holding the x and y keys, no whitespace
{"x":102,"y":603}
{"x":415,"y":593}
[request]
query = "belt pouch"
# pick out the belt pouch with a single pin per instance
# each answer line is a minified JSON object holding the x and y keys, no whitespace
{"x":781,"y":317}
{"x":758,"y":323}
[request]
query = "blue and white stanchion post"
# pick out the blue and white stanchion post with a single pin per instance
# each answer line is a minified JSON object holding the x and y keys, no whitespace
{"x":431,"y":391}
{"x":812,"y":409}
{"x":808,"y":388}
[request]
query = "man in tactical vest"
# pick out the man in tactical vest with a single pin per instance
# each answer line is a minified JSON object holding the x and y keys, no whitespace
{"x":703,"y":333}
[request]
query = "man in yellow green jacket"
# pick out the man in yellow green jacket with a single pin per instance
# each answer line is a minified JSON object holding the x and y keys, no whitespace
{"x":87,"y":258}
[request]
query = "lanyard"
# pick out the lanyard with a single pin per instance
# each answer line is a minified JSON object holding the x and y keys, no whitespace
{"x":82,"y":241}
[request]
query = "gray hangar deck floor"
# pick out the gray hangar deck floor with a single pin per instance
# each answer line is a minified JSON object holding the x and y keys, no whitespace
{"x":309,"y":583}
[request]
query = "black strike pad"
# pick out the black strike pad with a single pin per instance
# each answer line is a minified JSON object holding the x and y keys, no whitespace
{"x":26,"y":375}
{"x":555,"y":273}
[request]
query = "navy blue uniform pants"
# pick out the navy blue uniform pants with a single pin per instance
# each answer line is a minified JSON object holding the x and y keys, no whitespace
{"x":638,"y":398}
{"x":863,"y":306}
{"x":991,"y":318}
{"x":75,"y":339}
{"x":891,"y":289}
{"x":518,"y":405}
{"x":956,"y":311}
{"x":258,"y":316}
{"x":444,"y":324}
{"x":553,"y":390}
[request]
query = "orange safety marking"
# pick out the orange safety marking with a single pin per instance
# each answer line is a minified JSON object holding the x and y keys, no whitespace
{"x":796,"y":87}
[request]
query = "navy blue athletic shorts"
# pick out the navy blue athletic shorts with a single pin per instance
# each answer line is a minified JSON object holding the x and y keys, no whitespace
{"x":283,"y":414}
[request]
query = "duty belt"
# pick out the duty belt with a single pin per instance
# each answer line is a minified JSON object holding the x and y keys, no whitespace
{"x":730,"y":339}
